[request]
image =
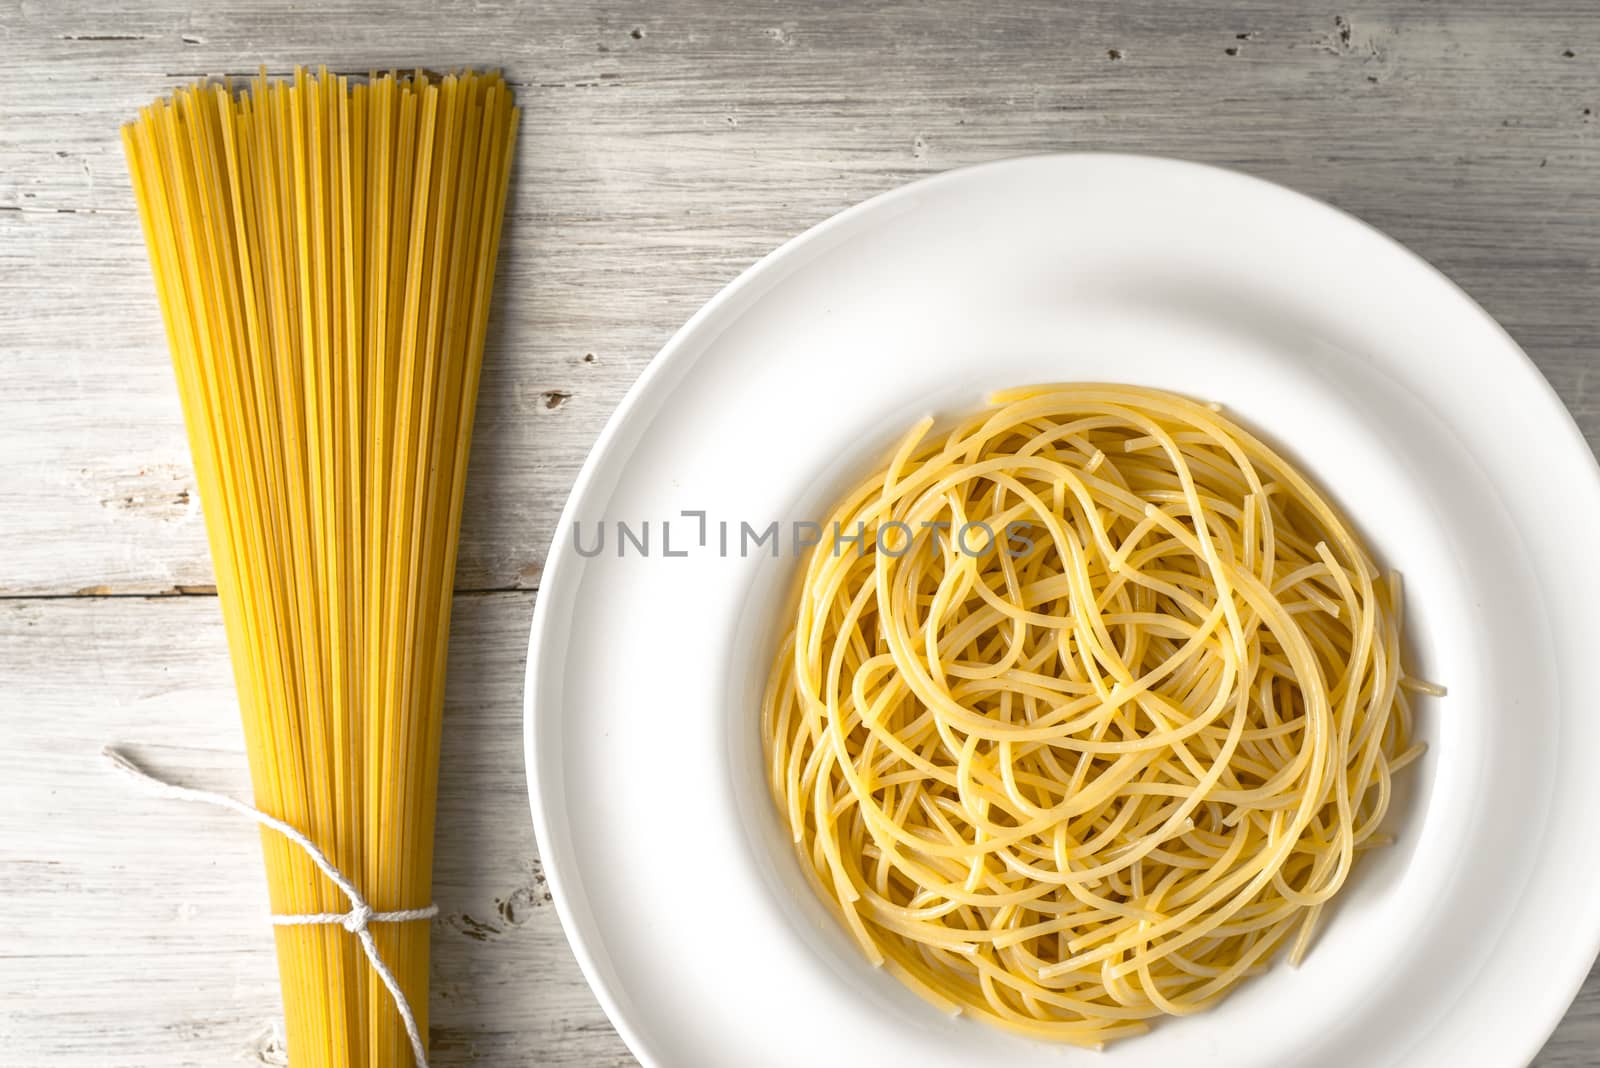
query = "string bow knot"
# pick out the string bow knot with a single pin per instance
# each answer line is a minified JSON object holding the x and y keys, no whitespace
{"x":355,"y":920}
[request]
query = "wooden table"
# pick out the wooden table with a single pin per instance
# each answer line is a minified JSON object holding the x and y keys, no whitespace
{"x":665,"y":146}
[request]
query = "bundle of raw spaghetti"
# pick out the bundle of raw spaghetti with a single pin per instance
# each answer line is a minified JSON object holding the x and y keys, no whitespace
{"x":324,"y":252}
{"x":1098,"y":720}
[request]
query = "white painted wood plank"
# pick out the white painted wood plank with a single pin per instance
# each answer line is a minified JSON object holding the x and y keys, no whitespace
{"x":135,"y":930}
{"x":654,"y":167}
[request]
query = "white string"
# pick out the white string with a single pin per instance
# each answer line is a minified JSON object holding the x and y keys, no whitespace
{"x":355,"y":921}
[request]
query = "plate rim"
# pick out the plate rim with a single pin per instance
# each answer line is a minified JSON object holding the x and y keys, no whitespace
{"x":558,"y":562}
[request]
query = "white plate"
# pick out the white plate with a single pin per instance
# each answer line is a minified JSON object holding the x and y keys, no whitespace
{"x":1461,"y":945}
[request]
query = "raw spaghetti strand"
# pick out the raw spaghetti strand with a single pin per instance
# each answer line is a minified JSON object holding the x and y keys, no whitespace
{"x":1101,"y":761}
{"x":323,"y":250}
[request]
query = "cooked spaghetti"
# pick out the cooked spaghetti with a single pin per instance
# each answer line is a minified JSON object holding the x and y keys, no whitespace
{"x":324,"y":251}
{"x":1087,"y":709}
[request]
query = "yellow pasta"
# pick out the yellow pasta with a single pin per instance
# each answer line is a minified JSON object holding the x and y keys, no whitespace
{"x":324,"y":251}
{"x":1096,"y":715}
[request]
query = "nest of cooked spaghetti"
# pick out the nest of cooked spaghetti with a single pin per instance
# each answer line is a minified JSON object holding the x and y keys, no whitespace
{"x":1095,"y":719}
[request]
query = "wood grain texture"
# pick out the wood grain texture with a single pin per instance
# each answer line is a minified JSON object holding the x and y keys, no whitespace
{"x":665,"y":146}
{"x":135,"y":930}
